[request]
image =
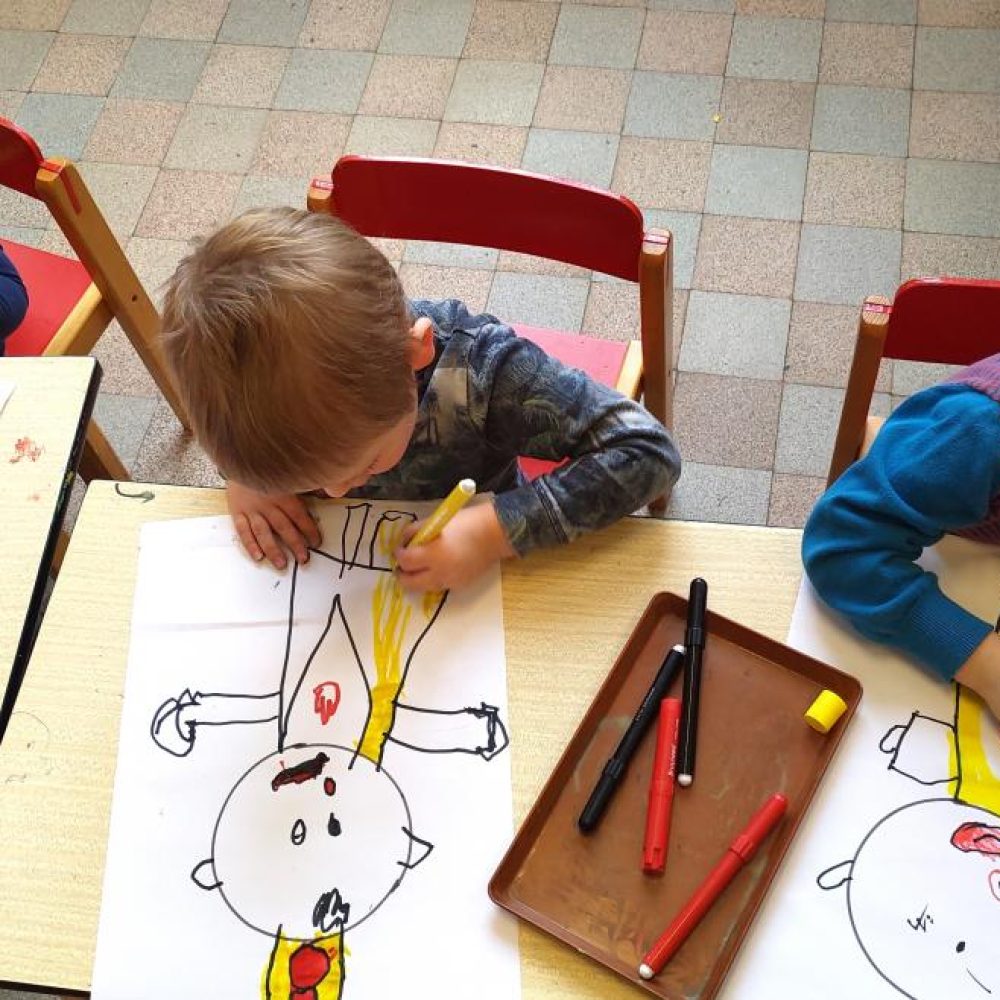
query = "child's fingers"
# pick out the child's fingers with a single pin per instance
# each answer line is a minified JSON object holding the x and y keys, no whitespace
{"x":246,"y":536}
{"x":424,"y":579}
{"x":299,"y":515}
{"x":412,"y":560}
{"x":289,"y":534}
{"x":266,"y":540}
{"x":410,"y":530}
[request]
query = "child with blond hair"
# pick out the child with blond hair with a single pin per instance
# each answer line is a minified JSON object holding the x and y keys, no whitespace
{"x":304,"y":368}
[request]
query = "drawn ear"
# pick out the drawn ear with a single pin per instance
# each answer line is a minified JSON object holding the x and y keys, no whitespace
{"x":416,"y":846}
{"x":203,"y":875}
{"x":835,"y":877}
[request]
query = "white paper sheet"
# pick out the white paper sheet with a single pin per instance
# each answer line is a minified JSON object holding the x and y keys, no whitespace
{"x":219,"y":848}
{"x":916,"y":916}
{"x":6,"y":391}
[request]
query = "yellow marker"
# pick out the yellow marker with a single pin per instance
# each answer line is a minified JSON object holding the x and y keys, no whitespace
{"x":824,"y":712}
{"x":446,"y":510}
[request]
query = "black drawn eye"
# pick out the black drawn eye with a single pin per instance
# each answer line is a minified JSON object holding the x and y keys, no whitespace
{"x":333,"y":826}
{"x":960,"y":947}
{"x":298,"y":832}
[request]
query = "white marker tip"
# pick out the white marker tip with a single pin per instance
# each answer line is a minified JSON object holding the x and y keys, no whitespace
{"x":467,"y":486}
{"x":679,"y":648}
{"x":645,"y":971}
{"x":684,"y":780}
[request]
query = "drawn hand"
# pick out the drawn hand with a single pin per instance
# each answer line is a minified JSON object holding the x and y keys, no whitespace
{"x":981,"y":672}
{"x":264,"y":522}
{"x":471,"y":543}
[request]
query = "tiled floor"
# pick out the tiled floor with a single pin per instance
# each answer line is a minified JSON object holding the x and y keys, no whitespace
{"x":804,"y":152}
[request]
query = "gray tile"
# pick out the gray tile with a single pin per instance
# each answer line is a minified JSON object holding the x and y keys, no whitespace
{"x":579,"y":156}
{"x":775,"y":48}
{"x":957,"y":59}
{"x":959,"y":198}
{"x":685,"y":227}
{"x":726,"y":421}
{"x":60,"y":123}
{"x":18,"y":209}
{"x":673,"y":105}
{"x":392,"y":136}
{"x":216,"y":139}
{"x":120,"y":191}
{"x":161,"y":68}
{"x":27,"y":235}
{"x":757,"y":181}
{"x":23,"y":52}
{"x":495,"y":93}
{"x":872,"y":120}
{"x":879,"y":11}
{"x":792,"y":500}
{"x":169,"y":455}
{"x":539,"y":300}
{"x":843,"y":264}
{"x":720,"y":494}
{"x":807,"y":428}
{"x":105,"y":17}
{"x":258,"y":191}
{"x":427,"y":27}
{"x":450,"y":255}
{"x":263,"y":22}
{"x":707,"y":6}
{"x":323,"y":80}
{"x":741,"y":335}
{"x":596,"y":36}
{"x":909,"y":377}
{"x":124,"y":420}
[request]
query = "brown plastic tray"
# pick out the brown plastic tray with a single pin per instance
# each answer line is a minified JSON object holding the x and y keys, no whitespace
{"x":590,"y":891}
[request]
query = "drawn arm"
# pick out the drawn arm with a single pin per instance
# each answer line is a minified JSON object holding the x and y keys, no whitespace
{"x":478,"y":731}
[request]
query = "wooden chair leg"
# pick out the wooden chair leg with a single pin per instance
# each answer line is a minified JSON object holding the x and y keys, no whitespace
{"x":99,"y":460}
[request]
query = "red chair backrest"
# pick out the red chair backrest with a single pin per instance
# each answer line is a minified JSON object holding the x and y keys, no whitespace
{"x":945,"y":320}
{"x":489,"y":206}
{"x":20,"y":158}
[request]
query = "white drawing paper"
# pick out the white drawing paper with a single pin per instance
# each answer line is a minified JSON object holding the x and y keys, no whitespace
{"x":313,"y":784}
{"x":6,"y":391}
{"x":892,"y":885}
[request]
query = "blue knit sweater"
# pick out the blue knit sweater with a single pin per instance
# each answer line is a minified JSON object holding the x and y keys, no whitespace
{"x":13,"y":298}
{"x":934,"y":467}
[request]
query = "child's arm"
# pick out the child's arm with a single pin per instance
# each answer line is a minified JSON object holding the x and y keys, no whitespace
{"x":981,"y":672}
{"x":935,"y":466}
{"x":621,"y":457}
{"x":13,"y":298}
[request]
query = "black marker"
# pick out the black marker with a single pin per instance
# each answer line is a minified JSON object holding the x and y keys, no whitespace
{"x":694,"y":642}
{"x":641,"y":721}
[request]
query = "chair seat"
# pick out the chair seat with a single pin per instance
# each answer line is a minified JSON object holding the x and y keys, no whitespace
{"x":601,"y":359}
{"x":55,"y":284}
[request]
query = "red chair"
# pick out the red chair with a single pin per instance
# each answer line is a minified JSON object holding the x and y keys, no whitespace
{"x":514,"y":210}
{"x":943,"y":320}
{"x":72,"y":302}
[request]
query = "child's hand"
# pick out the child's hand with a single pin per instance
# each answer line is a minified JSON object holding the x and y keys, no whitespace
{"x":471,"y":543}
{"x":264,"y":522}
{"x":981,"y":672}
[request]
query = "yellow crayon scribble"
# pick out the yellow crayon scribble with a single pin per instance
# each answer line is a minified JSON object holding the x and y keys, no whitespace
{"x":978,"y":785}
{"x":390,"y":617}
{"x":276,"y":981}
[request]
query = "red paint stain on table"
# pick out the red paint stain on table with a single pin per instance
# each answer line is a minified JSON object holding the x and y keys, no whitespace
{"x":26,"y":448}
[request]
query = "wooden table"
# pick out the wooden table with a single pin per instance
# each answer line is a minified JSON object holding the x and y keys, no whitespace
{"x":42,"y":428}
{"x":573,"y":607}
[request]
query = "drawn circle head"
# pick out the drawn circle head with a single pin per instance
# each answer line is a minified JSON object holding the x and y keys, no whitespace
{"x":312,"y":839}
{"x":922,"y":901}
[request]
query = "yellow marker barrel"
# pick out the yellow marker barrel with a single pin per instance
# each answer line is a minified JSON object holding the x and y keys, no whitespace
{"x":824,"y":712}
{"x":446,"y":510}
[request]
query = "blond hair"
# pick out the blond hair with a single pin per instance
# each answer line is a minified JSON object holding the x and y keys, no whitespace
{"x":285,"y":332}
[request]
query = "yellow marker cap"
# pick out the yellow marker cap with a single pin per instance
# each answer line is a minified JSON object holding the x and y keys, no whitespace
{"x":824,"y":712}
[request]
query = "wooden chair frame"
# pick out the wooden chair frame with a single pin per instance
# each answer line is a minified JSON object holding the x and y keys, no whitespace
{"x":647,"y":368}
{"x":115,"y":292}
{"x":946,"y":320}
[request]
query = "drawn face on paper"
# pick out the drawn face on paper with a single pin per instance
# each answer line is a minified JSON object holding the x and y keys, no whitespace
{"x":926,"y":939}
{"x":312,"y":840}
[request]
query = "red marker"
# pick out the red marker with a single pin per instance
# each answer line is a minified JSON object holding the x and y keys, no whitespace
{"x":661,"y":788}
{"x":740,"y":851}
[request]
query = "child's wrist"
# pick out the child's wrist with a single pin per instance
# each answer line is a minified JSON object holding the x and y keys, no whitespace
{"x":981,"y":671}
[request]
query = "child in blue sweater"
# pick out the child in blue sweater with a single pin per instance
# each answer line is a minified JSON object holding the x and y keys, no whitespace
{"x":933,"y":468}
{"x":13,"y":299}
